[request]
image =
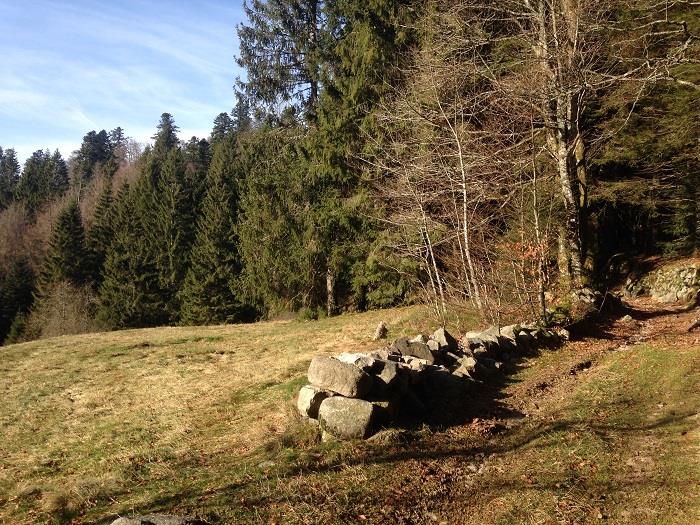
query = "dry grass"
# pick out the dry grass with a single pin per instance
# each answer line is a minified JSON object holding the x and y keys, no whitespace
{"x":99,"y":424}
{"x":200,"y":421}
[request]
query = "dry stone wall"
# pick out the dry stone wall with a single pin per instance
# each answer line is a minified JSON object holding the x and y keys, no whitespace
{"x":352,"y":395}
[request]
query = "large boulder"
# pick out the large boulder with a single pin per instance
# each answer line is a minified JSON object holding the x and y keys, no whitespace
{"x":158,"y":519}
{"x":347,"y":418}
{"x":309,"y":401}
{"x":345,"y":379}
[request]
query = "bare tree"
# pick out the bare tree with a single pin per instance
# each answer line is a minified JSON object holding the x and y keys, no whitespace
{"x":493,"y":113}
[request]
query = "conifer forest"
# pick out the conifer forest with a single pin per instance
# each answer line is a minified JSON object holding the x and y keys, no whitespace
{"x":487,"y":154}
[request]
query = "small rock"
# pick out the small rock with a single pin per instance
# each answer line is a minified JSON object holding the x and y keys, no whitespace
{"x":420,"y":350}
{"x":420,"y":338}
{"x":309,"y":401}
{"x":363,"y":361}
{"x":526,"y":342}
{"x":434,"y":346}
{"x":381,"y":331}
{"x":389,"y":374}
{"x":627,"y":319}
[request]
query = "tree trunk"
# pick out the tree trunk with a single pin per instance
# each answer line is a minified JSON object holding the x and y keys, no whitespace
{"x":330,"y":292}
{"x":571,"y":208}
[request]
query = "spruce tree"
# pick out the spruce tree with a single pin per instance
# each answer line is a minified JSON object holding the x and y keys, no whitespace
{"x":95,"y":150}
{"x":172,"y":230}
{"x":100,"y":235}
{"x":166,"y":136}
{"x":44,"y":177}
{"x":223,"y":128}
{"x":67,"y":256}
{"x":197,"y":156}
{"x":16,"y":294}
{"x":242,"y":120}
{"x":130,"y":295}
{"x":9,"y":176}
{"x":282,"y":48}
{"x":210,"y":294}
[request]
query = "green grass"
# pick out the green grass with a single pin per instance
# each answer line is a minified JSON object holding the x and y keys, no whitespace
{"x":622,"y":447}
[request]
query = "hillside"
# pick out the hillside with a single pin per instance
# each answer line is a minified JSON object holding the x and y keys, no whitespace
{"x":200,"y":421}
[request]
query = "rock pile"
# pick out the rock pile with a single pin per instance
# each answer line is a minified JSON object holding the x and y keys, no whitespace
{"x":352,"y":395}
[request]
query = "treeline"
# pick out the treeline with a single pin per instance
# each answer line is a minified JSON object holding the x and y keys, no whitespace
{"x":493,"y":154}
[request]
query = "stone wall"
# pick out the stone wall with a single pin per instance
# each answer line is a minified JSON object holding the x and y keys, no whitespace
{"x":352,"y":395}
{"x":668,"y":284}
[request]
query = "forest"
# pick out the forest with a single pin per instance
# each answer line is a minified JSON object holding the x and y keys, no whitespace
{"x":495,"y":155}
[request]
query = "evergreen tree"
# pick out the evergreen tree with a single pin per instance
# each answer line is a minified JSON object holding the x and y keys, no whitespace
{"x":95,"y":150}
{"x":283,"y":271}
{"x":197,"y":156}
{"x":57,"y":175}
{"x":242,"y":120}
{"x":130,"y":295}
{"x":100,"y":235}
{"x":9,"y":176}
{"x":210,"y":293}
{"x":172,"y":230}
{"x":67,"y":257}
{"x":16,"y":294}
{"x":44,"y":177}
{"x":282,"y":49}
{"x":223,"y":128}
{"x":369,"y":41}
{"x":117,"y":139}
{"x":166,"y":136}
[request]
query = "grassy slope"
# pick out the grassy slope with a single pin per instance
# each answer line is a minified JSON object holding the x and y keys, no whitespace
{"x":181,"y":419}
{"x":100,"y":424}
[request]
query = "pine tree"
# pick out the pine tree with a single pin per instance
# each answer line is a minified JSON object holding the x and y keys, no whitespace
{"x":94,"y":151}
{"x":100,"y":235}
{"x":117,"y":139}
{"x":278,"y":243}
{"x":210,"y":294}
{"x":197,"y":156}
{"x":242,"y":120}
{"x":166,"y":136}
{"x":67,"y":257}
{"x":369,"y":41}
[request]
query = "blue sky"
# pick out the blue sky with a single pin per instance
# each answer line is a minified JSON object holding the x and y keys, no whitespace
{"x":67,"y":67}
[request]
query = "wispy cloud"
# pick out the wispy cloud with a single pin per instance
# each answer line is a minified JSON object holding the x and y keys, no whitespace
{"x":69,"y":67}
